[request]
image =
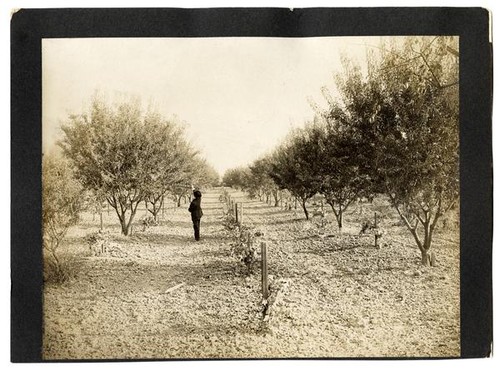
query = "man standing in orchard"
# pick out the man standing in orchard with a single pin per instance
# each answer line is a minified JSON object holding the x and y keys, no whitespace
{"x":196,"y":213}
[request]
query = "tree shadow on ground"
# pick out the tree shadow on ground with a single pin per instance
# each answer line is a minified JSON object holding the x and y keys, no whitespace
{"x":187,"y":224}
{"x":160,"y":238}
{"x":268,"y":211}
{"x":276,"y":222}
{"x":166,"y":238}
{"x":287,"y":220}
{"x":90,"y":226}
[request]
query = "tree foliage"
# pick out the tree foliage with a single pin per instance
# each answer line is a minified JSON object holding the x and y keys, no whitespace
{"x":403,"y":116}
{"x":261,"y":184}
{"x":335,"y":161}
{"x":237,"y":178}
{"x":291,"y":167}
{"x":391,"y":129}
{"x":128,"y":156}
{"x":61,"y":203}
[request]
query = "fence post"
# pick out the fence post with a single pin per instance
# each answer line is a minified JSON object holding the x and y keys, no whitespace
{"x":263,"y":249}
{"x":376,"y":232}
{"x":236,"y":212}
{"x":241,"y":212}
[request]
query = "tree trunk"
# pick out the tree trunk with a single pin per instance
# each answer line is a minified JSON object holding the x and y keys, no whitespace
{"x":426,"y":258}
{"x":123,"y":223}
{"x":305,"y":209}
{"x":155,"y":214}
{"x":125,"y":228}
{"x":338,"y":215}
{"x":156,"y":208}
{"x":131,"y":219}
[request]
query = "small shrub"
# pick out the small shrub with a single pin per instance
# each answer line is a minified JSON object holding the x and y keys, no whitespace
{"x":244,"y":249}
{"x":148,"y":222}
{"x":366,"y":226}
{"x":224,"y":197}
{"x":64,"y":269}
{"x":229,"y":221}
{"x":98,"y":243}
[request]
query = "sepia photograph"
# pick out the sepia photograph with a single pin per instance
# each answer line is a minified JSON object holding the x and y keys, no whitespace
{"x":256,"y":195}
{"x":251,"y":197}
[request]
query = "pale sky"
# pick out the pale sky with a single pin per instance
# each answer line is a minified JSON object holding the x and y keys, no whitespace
{"x":239,"y":96}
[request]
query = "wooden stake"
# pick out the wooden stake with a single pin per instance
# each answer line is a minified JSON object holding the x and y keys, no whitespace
{"x":376,"y":232}
{"x":236,"y":212}
{"x":263,"y":249}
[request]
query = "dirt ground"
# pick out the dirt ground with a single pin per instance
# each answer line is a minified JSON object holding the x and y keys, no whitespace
{"x":339,"y":295}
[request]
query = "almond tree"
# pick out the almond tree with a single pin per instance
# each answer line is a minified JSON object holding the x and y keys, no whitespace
{"x":173,"y":157}
{"x":236,"y":177}
{"x":404,"y":117}
{"x":114,"y":154}
{"x":291,"y":167}
{"x":260,"y":183}
{"x":341,"y":181}
{"x":197,"y":173}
